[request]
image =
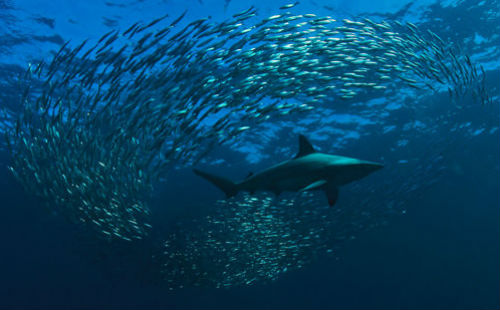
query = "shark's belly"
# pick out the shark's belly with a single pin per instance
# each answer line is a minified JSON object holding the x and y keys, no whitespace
{"x":287,"y":178}
{"x":293,"y":184}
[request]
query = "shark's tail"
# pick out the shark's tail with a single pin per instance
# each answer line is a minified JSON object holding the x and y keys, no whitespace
{"x":227,"y":186}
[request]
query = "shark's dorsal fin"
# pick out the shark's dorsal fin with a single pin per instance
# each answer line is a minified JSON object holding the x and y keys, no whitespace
{"x":305,"y":147}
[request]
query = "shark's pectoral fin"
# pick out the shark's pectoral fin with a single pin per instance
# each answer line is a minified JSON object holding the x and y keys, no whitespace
{"x":314,"y":185}
{"x":332,"y":193}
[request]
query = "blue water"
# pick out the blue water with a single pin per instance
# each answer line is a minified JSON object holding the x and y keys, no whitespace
{"x":439,"y":249}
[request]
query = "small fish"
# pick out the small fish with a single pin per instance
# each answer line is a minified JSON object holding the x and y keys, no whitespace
{"x":289,"y":6}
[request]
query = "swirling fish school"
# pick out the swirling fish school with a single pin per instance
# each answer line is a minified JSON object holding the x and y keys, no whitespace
{"x":100,"y":125}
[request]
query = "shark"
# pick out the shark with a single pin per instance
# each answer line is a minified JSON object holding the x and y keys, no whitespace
{"x":309,"y":170}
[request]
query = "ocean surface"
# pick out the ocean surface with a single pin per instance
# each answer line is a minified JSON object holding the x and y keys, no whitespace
{"x":101,"y":208}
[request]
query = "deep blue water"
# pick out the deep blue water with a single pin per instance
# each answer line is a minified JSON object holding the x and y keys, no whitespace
{"x":440,"y":250}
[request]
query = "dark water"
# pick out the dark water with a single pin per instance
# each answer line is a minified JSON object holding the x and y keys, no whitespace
{"x":440,"y":249}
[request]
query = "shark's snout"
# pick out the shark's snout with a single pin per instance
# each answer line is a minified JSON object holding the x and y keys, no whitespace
{"x":355,"y":171}
{"x":366,"y":168}
{"x":377,"y":166}
{"x":372,"y":167}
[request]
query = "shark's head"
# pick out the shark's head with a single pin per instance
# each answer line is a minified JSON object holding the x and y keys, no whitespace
{"x":366,"y":168}
{"x":338,"y":170}
{"x":355,"y":170}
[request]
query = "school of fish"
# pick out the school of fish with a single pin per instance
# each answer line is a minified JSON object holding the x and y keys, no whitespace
{"x":100,"y":125}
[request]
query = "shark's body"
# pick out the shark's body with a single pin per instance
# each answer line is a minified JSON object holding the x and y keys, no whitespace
{"x":309,"y":170}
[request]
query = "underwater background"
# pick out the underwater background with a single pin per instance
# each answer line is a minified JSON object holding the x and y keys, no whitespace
{"x":101,"y":209}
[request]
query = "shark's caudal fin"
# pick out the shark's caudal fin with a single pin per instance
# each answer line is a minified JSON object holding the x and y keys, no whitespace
{"x":226,"y":185}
